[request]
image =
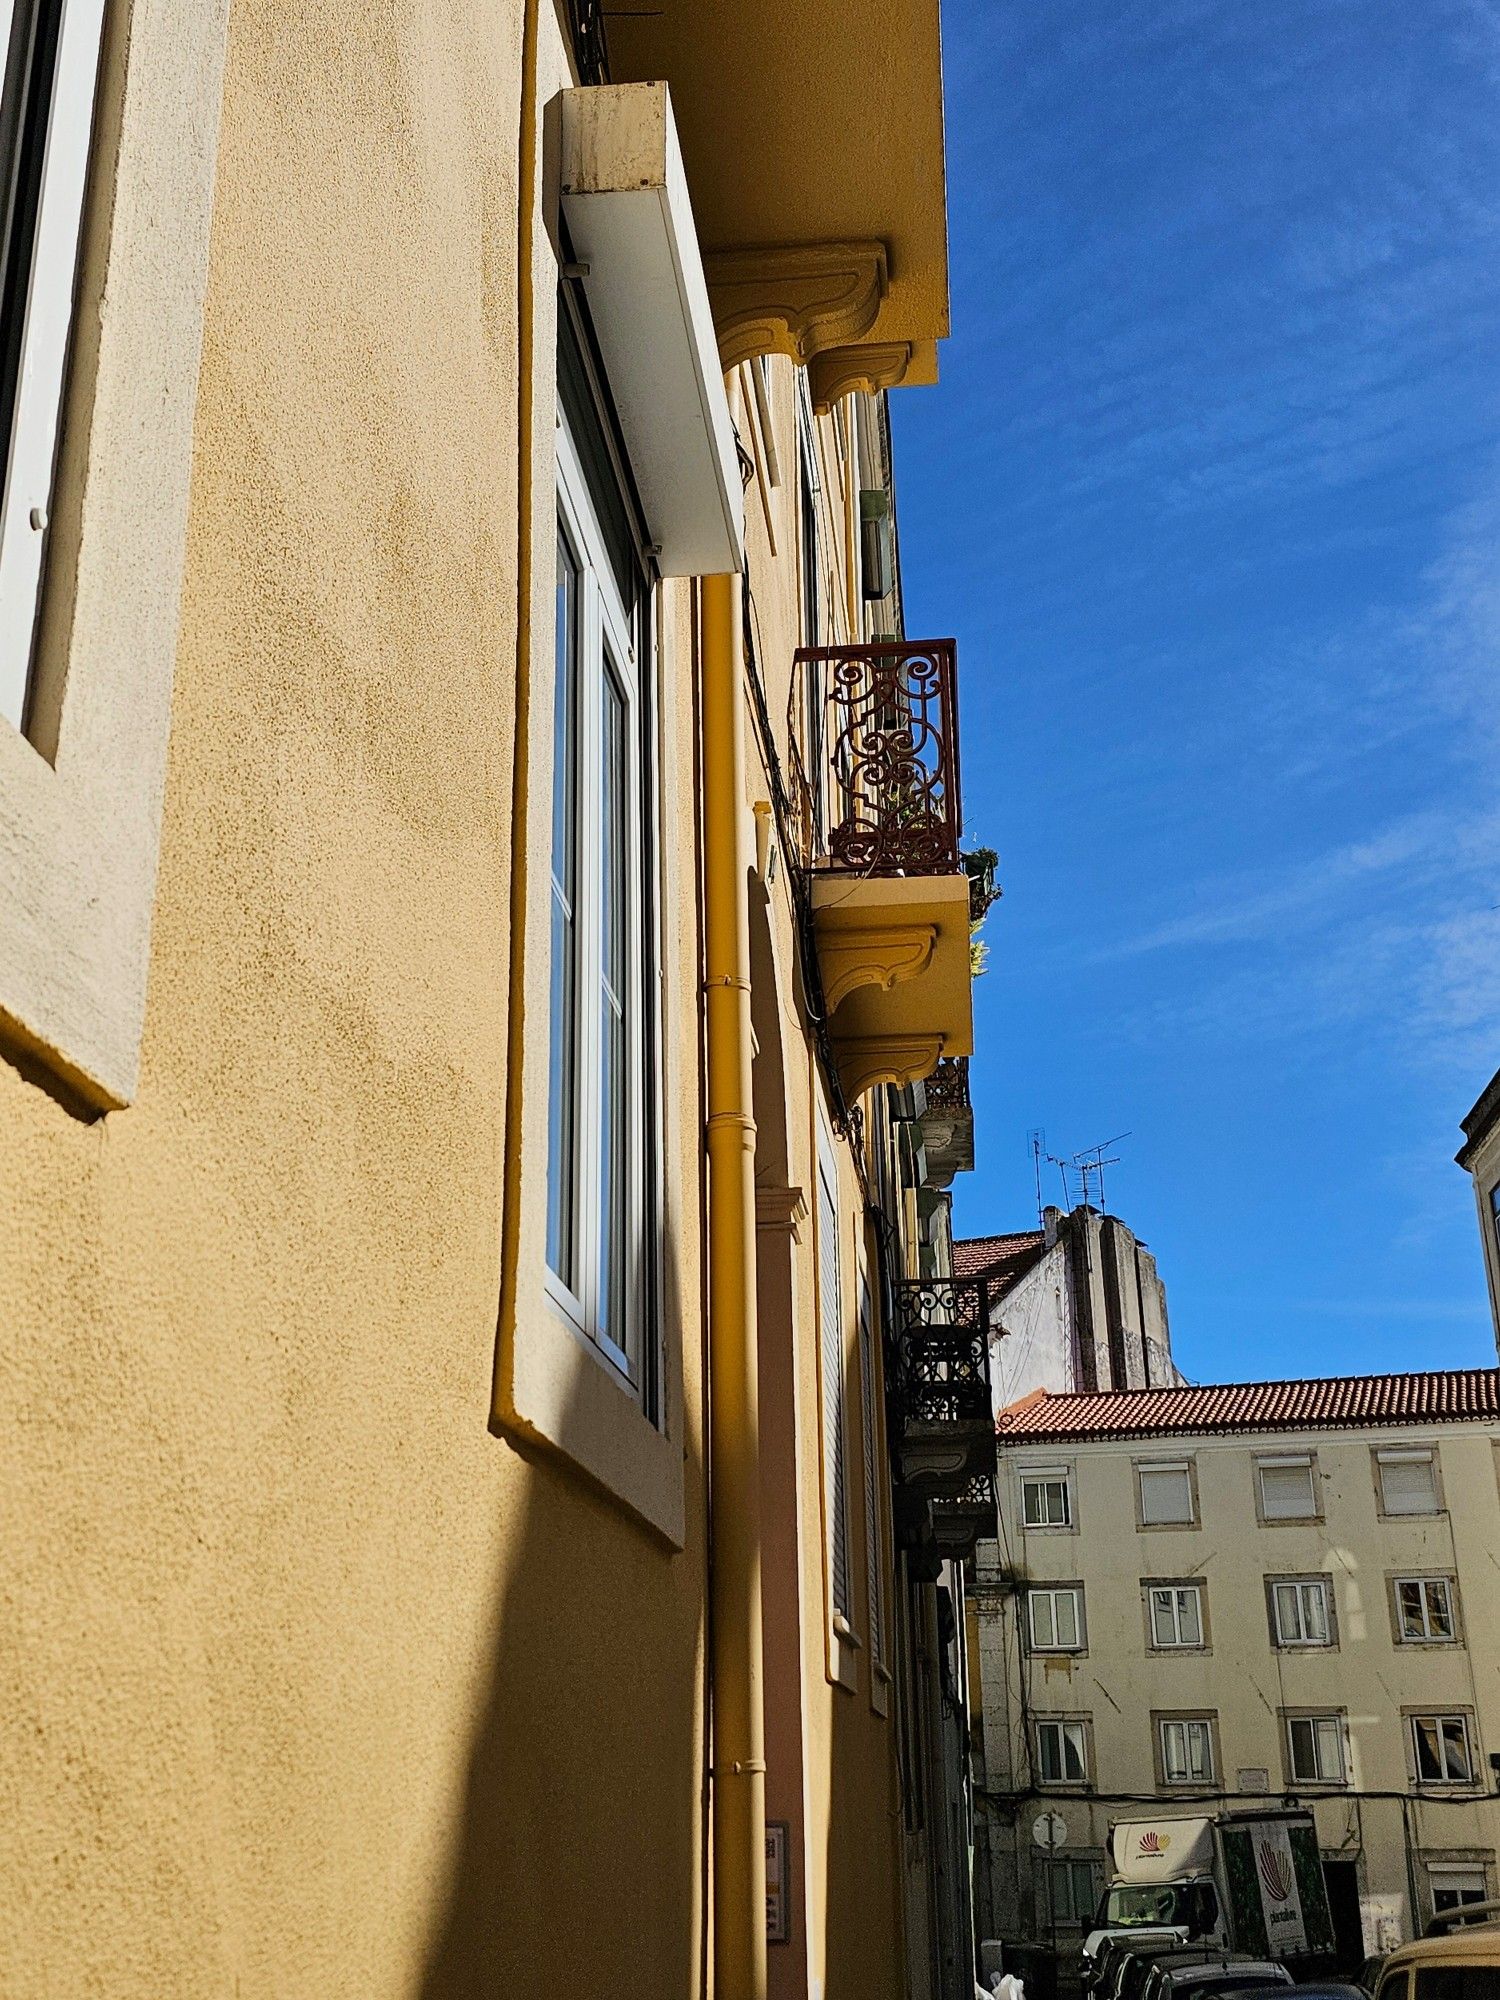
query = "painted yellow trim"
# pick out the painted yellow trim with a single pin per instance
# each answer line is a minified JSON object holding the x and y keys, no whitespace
{"x":739,"y":1771}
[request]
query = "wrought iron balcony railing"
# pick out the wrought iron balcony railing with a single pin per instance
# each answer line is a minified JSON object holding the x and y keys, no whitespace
{"x":948,"y":1086}
{"x":943,"y":1352}
{"x":962,"y":1520}
{"x":874,"y":734}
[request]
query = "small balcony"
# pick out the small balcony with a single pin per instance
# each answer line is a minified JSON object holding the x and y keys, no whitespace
{"x":874,"y":734}
{"x":941,"y":1391}
{"x":961,"y":1521}
{"x":948,"y":1122}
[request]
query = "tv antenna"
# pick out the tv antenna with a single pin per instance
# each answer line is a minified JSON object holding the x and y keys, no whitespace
{"x":1082,"y":1173}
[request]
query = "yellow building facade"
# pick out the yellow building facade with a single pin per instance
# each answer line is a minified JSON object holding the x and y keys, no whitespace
{"x":1212,"y":1599}
{"x":492,"y":1429}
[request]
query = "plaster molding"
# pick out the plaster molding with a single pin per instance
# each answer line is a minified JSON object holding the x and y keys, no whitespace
{"x":858,"y":955}
{"x":873,"y":1059}
{"x":800,"y":300}
{"x":841,"y":371}
{"x":782,"y":1208}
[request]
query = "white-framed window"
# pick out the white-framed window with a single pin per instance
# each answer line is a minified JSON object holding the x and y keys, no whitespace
{"x":1176,"y":1614}
{"x":1072,"y":1886}
{"x":1055,"y":1619}
{"x":1062,"y":1753}
{"x":871,"y":1387}
{"x":1424,"y":1610}
{"x":1166,"y":1494}
{"x":835,"y":1415}
{"x":1453,"y":1884}
{"x":1301,"y":1611}
{"x":1408,"y":1482}
{"x":50,"y":50}
{"x":1187,"y":1750}
{"x":1315,"y":1749}
{"x":600,"y":1194}
{"x":1288,"y":1489}
{"x":1442,"y":1749}
{"x":1046,"y":1496}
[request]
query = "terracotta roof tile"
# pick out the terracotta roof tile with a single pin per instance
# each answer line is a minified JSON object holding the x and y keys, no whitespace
{"x":1005,"y":1259}
{"x":1448,"y":1395}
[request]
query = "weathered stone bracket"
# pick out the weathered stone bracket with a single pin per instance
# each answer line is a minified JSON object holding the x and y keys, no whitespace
{"x":781,"y":1208}
{"x":872,"y":955}
{"x":885,"y":1059}
{"x":800,"y":300}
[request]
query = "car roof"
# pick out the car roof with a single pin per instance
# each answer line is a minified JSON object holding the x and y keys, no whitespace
{"x":1473,"y":1944}
{"x":1247,"y":1970}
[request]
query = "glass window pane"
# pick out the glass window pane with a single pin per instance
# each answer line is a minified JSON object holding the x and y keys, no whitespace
{"x":1409,"y":1595}
{"x":562,"y":1109}
{"x":1042,"y":1633}
{"x":1073,"y":1752}
{"x":614,"y":1108}
{"x":1288,"y":1613}
{"x":1314,"y":1612}
{"x":1066,"y":1617}
{"x":1439,"y":1610}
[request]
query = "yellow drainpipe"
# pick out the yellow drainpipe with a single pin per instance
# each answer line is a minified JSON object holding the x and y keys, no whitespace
{"x":739,"y":1770}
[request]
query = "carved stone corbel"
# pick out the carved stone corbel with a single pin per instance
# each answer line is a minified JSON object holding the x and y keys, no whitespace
{"x":858,"y":955}
{"x":781,"y":1208}
{"x":841,"y":370}
{"x":876,"y":1059}
{"x":794,"y":299}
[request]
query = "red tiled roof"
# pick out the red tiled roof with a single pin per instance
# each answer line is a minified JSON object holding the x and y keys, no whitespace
{"x":1334,"y":1402}
{"x":1003,"y":1259}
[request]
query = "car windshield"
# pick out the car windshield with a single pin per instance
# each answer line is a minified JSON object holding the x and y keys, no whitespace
{"x":1129,"y":1904}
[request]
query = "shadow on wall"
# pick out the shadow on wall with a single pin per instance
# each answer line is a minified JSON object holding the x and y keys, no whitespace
{"x":578,"y":1862}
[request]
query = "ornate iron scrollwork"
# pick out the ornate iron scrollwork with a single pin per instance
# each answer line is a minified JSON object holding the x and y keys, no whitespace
{"x":875,"y":753}
{"x":942,"y":1343}
{"x":948,"y":1086}
{"x":590,"y":49}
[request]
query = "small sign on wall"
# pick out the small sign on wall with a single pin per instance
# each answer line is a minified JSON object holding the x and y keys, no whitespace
{"x":778,"y":1903}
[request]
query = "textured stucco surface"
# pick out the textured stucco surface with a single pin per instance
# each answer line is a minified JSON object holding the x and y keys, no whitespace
{"x":310,"y":1685}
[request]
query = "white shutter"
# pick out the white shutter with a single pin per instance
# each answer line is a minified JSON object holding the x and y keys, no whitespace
{"x":1286,"y":1491}
{"x":830,"y":1308}
{"x":874,"y":1570}
{"x":1166,"y":1494}
{"x":1407,"y":1485}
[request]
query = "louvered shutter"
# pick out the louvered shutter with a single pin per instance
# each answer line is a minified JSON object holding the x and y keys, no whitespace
{"x":873,"y":1568}
{"x":830,"y":1307}
{"x":1406,"y":1486}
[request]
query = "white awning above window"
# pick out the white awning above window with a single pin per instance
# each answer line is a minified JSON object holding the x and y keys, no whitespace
{"x":625,"y":199}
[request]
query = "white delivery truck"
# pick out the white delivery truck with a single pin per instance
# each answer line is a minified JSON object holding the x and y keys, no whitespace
{"x":1241,"y":1881}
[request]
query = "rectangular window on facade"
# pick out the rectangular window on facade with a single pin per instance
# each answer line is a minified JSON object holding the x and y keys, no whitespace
{"x":1072,"y":1890}
{"x":1442,"y":1751}
{"x":1055,"y":1618}
{"x":600,"y":1185}
{"x":835,"y":1419}
{"x":50,"y":53}
{"x":1451,"y":1885}
{"x":1187,"y":1750}
{"x":1062,"y":1753}
{"x":1046,"y":1497}
{"x":1288,"y":1489}
{"x":871,"y":1383}
{"x":1301,"y":1611}
{"x":1315,"y":1749}
{"x":1166,"y":1495}
{"x":1176,"y":1614}
{"x":1424,"y":1610}
{"x":1408,"y":1482}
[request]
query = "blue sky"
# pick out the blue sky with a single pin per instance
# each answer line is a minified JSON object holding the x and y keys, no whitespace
{"x":1210,"y":496}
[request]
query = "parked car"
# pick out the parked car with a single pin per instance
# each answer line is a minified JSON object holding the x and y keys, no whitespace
{"x":1102,"y":1968}
{"x":1368,"y":1977}
{"x":1462,"y":1962}
{"x":1223,"y":1974}
{"x":1137,"y":1964}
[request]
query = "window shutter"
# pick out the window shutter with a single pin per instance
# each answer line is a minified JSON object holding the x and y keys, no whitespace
{"x":1165,"y":1494}
{"x":835,"y":1470}
{"x":1286,"y":1492}
{"x":874,"y":1570}
{"x":1406,"y":1486}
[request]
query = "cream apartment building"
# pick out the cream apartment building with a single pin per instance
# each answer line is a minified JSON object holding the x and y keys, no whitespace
{"x":1214,"y":1597}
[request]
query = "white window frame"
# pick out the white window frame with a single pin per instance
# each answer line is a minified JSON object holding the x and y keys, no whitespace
{"x":1298,"y":1462}
{"x":607,"y":651}
{"x":1177,"y":1592}
{"x":1155,"y":1469}
{"x":1045,"y":1476}
{"x":1052,"y":1594}
{"x":81,"y":791}
{"x":1424,"y":1456}
{"x":1426,"y":1585}
{"x":1444,"y":1719}
{"x":1188,"y":1725}
{"x":1464,"y":1881}
{"x":1068,"y":1730}
{"x":28,"y":456}
{"x":1320,"y":1731}
{"x":1303,"y":1587}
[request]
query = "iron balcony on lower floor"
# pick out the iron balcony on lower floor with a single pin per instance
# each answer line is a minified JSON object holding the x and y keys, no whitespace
{"x":941,"y":1390}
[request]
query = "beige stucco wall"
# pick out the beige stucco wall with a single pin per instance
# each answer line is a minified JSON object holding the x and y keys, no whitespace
{"x":1246,"y":1682}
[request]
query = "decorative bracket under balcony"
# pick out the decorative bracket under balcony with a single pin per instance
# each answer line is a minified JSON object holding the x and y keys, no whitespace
{"x":800,"y":300}
{"x":858,"y":955}
{"x":781,"y":1208}
{"x":842,"y":370}
{"x":865,"y":1060}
